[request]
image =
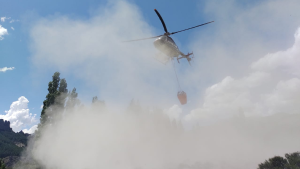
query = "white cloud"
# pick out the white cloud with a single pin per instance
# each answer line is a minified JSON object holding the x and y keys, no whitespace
{"x":19,"y":115}
{"x":6,"y":69}
{"x":3,"y":31}
{"x":41,"y":106}
{"x":287,"y":61}
{"x":12,"y":28}
{"x":31,"y":130}
{"x":241,"y":34}
{"x":4,"y":18}
{"x":12,"y":21}
{"x":272,"y":87}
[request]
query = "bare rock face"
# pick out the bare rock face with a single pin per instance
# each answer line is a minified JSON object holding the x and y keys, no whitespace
{"x":5,"y":125}
{"x":19,"y":144}
{"x":10,"y":161}
{"x":21,"y":132}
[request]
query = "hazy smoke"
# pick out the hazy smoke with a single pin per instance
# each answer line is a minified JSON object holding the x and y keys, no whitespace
{"x":231,"y":126}
{"x":141,"y":138}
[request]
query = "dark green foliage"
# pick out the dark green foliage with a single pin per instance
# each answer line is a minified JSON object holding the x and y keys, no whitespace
{"x":50,"y":98}
{"x":57,"y":95}
{"x":2,"y":165}
{"x":62,"y":94}
{"x":7,"y":143}
{"x":72,"y":99}
{"x":63,"y":86}
{"x":292,"y":161}
{"x":73,"y":94}
{"x":57,"y":100}
{"x":276,"y":162}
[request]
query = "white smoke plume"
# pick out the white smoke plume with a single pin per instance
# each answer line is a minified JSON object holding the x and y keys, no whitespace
{"x":240,"y":120}
{"x":94,"y":51}
{"x":143,"y":138}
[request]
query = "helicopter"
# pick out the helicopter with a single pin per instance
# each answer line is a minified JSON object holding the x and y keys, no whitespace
{"x":166,"y":44}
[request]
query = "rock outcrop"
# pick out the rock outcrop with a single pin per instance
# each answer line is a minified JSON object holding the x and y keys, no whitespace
{"x":5,"y":125}
{"x":11,"y":143}
{"x":10,"y":161}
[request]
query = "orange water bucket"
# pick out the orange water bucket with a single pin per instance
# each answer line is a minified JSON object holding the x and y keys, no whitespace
{"x":182,"y":97}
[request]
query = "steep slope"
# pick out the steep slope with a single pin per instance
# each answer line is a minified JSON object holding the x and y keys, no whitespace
{"x":11,"y":143}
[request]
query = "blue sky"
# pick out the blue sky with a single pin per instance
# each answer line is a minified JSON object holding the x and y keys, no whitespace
{"x":243,"y":33}
{"x":15,"y":47}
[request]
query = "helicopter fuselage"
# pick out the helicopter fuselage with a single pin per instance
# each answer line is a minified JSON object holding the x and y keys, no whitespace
{"x":166,"y":45}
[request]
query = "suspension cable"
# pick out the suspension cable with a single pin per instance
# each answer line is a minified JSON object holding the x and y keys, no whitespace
{"x":176,"y":74}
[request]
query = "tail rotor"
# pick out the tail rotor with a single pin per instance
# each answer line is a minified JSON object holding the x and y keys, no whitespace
{"x":188,"y":58}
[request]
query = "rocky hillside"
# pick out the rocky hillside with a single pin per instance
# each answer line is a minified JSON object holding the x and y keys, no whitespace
{"x":11,"y":143}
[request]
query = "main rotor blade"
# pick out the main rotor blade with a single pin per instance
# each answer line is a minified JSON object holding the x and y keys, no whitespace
{"x":162,"y":21}
{"x":190,"y":28}
{"x":143,"y":38}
